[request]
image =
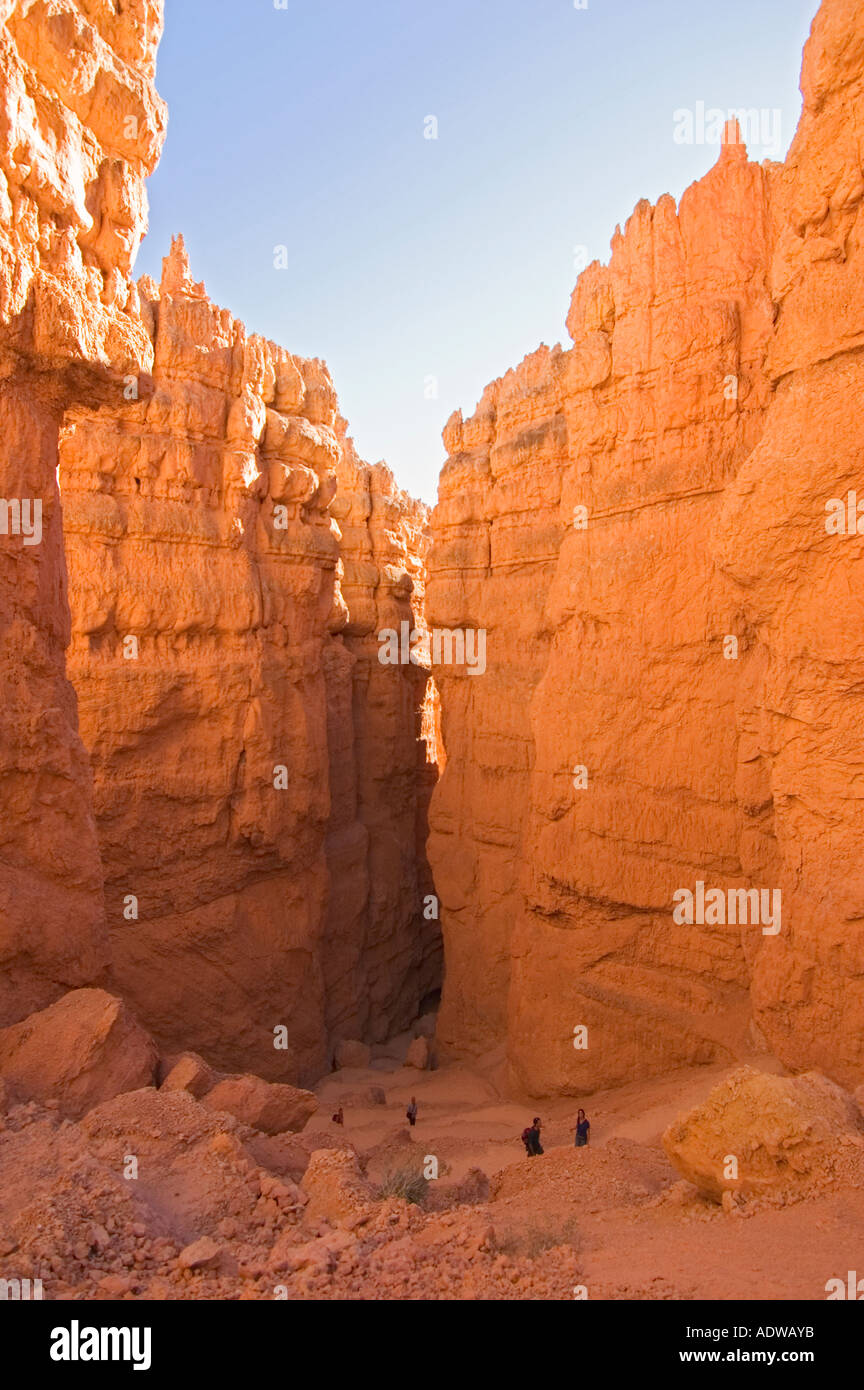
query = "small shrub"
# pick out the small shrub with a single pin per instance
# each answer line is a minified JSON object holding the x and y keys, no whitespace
{"x":534,"y":1241}
{"x":405,"y":1183}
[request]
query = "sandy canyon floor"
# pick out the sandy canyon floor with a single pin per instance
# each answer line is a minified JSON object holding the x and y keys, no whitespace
{"x":220,"y":1212}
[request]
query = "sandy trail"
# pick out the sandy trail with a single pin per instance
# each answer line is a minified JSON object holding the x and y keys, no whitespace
{"x":638,"y":1231}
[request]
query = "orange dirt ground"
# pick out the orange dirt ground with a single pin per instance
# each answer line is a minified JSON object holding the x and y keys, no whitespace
{"x":206,"y":1219}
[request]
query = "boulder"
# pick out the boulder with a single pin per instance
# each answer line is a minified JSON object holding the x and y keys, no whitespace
{"x":80,"y":1051}
{"x":189,"y":1072}
{"x":201,"y":1254}
{"x":352,"y":1054}
{"x":268,"y":1106}
{"x":786,"y":1134}
{"x":337,"y":1190}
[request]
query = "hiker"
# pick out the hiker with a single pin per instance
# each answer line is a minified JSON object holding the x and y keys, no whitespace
{"x":411,"y":1112}
{"x":531,"y":1138}
{"x":339,"y":1117}
{"x":582,"y":1127}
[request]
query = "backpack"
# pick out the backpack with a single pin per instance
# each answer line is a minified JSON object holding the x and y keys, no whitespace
{"x":526,"y":1136}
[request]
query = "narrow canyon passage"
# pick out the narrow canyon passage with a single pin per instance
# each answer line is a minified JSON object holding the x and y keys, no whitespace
{"x":342,"y":833}
{"x":661,"y":703}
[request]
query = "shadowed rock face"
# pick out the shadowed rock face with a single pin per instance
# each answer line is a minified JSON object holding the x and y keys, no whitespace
{"x":704,"y":415}
{"x":81,"y":126}
{"x":383,"y":952}
{"x":255,"y":766}
{"x":258,"y":785}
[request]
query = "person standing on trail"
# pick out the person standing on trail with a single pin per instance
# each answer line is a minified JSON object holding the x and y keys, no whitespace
{"x":531,"y":1138}
{"x":411,"y":1112}
{"x":583,"y":1127}
{"x":339,"y":1117}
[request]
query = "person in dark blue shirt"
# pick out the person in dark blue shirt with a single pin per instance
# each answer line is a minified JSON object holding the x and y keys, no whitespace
{"x":531,"y":1138}
{"x":583,"y":1126}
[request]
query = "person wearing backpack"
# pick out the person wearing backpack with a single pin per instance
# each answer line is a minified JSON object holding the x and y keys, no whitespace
{"x":411,"y":1112}
{"x":531,"y":1138}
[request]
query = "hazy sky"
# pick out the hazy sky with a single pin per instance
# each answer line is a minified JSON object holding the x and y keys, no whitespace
{"x":414,"y":263}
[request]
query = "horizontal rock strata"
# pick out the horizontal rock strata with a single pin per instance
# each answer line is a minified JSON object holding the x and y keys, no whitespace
{"x":638,"y":524}
{"x":255,"y":766}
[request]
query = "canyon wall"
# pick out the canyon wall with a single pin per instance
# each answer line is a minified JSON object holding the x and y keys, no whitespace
{"x":241,"y":853}
{"x":637,"y":522}
{"x":614,"y":515}
{"x":797,"y":579}
{"x":81,"y":126}
{"x":254,"y":765}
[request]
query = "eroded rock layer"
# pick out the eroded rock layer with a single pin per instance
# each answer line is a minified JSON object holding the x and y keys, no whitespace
{"x":81,"y":126}
{"x":254,"y":764}
{"x":254,"y":769}
{"x":620,"y":747}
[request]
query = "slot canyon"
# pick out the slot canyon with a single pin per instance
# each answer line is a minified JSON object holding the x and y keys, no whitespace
{"x":254,"y":875}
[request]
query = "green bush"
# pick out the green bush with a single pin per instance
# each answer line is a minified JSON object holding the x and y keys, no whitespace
{"x":406,"y":1183}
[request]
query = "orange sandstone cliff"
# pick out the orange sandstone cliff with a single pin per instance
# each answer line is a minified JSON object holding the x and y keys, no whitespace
{"x":241,"y":853}
{"x":255,"y":786}
{"x":674,"y":663}
{"x":235,"y":839}
{"x":81,"y":126}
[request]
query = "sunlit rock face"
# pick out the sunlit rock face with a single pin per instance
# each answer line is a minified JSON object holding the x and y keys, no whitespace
{"x":81,"y":126}
{"x":655,"y":529}
{"x":797,"y":578}
{"x":255,"y":766}
{"x":673,"y":660}
{"x":241,"y":854}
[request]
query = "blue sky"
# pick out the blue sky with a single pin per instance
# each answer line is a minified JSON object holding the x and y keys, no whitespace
{"x":418,"y":265}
